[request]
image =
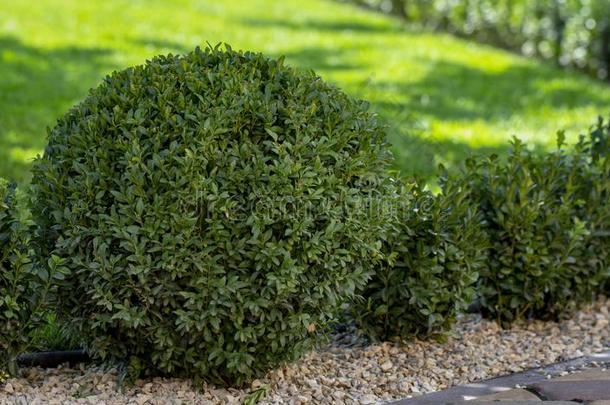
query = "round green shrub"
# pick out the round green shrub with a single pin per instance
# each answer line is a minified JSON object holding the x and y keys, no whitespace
{"x":210,"y":210}
{"x":432,"y":261}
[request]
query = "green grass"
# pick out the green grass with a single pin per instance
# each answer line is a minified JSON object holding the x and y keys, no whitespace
{"x":441,"y":97}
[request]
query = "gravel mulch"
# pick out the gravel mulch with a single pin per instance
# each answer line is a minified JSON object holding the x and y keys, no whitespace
{"x":348,"y":371}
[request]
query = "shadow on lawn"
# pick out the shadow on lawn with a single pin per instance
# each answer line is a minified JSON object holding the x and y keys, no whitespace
{"x":320,"y":59}
{"x":418,"y":155}
{"x":463,"y":94}
{"x":162,"y":46}
{"x":322,"y":25}
{"x":36,"y":87}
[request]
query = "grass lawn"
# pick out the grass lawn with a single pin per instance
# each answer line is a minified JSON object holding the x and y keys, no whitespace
{"x":440,"y":96}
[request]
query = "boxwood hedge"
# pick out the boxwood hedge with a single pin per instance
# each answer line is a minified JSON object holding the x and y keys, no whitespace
{"x":13,"y":264}
{"x":546,"y":217}
{"x":590,"y":167}
{"x":209,"y":208}
{"x":432,"y":262}
{"x":24,"y":287}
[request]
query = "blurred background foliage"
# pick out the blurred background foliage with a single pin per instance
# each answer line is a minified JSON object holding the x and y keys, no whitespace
{"x":441,"y":96}
{"x":574,"y":33}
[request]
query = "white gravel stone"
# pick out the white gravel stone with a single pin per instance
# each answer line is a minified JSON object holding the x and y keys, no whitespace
{"x":348,"y":371}
{"x":387,"y":366}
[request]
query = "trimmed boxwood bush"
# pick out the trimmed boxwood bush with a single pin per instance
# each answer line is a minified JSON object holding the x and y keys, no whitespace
{"x":13,"y":270}
{"x":590,"y":167}
{"x":540,"y":213}
{"x":24,"y":288}
{"x":209,"y":208}
{"x":432,"y":260}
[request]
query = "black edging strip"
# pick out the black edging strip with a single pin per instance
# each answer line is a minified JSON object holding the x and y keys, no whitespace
{"x":52,"y":359}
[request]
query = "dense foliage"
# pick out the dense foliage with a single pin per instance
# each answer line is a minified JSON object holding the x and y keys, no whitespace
{"x":590,"y":165}
{"x":24,"y":288}
{"x":13,"y":270}
{"x":432,"y":260}
{"x":210,"y":209}
{"x":547,"y":222}
{"x":570,"y":32}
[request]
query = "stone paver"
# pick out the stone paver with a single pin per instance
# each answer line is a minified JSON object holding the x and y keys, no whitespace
{"x":574,"y":390}
{"x":599,"y":374}
{"x":590,"y":386}
{"x":511,"y":402}
{"x":475,"y":390}
{"x":514,"y":395}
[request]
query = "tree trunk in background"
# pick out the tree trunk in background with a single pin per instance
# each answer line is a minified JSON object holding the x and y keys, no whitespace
{"x":605,"y":51}
{"x":559,"y":26}
{"x":399,"y":7}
